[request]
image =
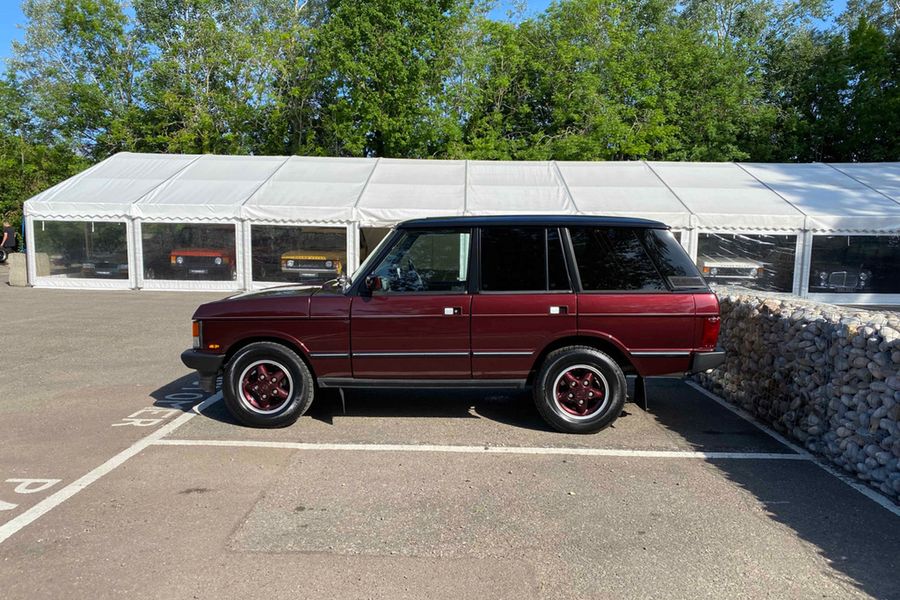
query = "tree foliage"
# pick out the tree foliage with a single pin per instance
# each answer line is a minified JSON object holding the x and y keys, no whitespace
{"x":584,"y":80}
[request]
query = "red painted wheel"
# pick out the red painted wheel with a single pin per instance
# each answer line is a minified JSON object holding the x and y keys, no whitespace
{"x":581,"y":391}
{"x":266,"y":386}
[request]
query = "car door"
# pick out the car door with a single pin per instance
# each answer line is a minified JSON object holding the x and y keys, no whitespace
{"x":525,"y":300}
{"x":414,"y":323}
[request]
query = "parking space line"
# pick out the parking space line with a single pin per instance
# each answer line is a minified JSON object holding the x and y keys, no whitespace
{"x":863,"y":489}
{"x":607,"y":452}
{"x":57,"y":498}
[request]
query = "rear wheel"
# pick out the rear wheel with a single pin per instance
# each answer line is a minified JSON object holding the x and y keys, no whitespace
{"x":267,"y":385}
{"x":579,"y":389}
{"x":4,"y":253}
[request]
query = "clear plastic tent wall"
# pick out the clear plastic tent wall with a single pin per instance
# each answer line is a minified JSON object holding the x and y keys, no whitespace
{"x":203,"y":222}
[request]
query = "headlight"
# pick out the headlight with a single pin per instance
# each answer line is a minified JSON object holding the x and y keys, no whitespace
{"x":290,"y":263}
{"x":87,"y":265}
{"x":823,"y":276}
{"x":329,"y":264}
{"x":714,"y":271}
{"x":179,"y":259}
{"x":863,"y":276}
{"x":218,"y":260}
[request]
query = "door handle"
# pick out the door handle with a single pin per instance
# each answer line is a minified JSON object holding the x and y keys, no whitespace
{"x":452,"y":310}
{"x":559,"y":310}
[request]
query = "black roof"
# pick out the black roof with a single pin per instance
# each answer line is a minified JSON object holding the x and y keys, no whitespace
{"x":533,"y":220}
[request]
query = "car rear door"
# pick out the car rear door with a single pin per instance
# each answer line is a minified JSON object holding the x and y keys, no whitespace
{"x":415,"y":325}
{"x":525,"y":300}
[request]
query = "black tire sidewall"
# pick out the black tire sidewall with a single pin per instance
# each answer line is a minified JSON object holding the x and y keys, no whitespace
{"x":4,"y":254}
{"x":559,"y":361}
{"x":301,"y":398}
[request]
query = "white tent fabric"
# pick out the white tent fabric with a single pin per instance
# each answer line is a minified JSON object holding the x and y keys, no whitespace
{"x":831,"y":200}
{"x":310,"y":189}
{"x":623,"y":189}
{"x":847,"y":198}
{"x":211,"y":188}
{"x":722,"y":196}
{"x":883,"y":177}
{"x":108,"y":189}
{"x":401,"y":189}
{"x":504,"y":187}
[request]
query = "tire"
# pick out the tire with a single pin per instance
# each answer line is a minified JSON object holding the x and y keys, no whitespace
{"x":588,"y":407}
{"x":267,"y":385}
{"x":4,"y":253}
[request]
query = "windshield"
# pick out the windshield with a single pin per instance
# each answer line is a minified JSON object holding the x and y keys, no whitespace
{"x":368,"y":261}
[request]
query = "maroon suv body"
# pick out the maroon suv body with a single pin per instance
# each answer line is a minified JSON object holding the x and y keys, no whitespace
{"x":568,"y":305}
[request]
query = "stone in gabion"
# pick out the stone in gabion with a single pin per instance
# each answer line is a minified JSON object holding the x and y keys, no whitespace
{"x":827,"y":376}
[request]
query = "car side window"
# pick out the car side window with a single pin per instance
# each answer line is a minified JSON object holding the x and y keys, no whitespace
{"x":613,"y":259}
{"x":522,"y":259}
{"x":426,"y":261}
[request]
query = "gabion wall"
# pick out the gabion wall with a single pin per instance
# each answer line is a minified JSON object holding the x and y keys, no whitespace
{"x":826,"y":376}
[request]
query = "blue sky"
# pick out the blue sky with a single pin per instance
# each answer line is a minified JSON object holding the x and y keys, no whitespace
{"x":11,"y":18}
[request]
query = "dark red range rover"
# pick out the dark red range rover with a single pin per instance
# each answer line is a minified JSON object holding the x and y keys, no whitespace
{"x":567,"y":305}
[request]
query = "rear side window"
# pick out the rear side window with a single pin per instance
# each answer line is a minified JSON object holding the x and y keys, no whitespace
{"x":614,"y":259}
{"x":522,"y":259}
{"x":672,"y":261}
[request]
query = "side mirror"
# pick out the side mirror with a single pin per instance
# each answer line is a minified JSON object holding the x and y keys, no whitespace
{"x":373,"y":283}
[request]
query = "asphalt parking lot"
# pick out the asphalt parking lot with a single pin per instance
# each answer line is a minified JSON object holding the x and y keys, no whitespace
{"x":114,"y":482}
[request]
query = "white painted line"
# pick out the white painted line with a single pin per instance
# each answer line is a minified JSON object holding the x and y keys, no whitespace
{"x":57,"y":498}
{"x":863,"y":489}
{"x":484,"y":449}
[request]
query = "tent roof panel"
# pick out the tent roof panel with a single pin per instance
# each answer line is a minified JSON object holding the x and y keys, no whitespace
{"x":401,"y":189}
{"x":831,"y":200}
{"x":724,"y":196}
{"x":310,"y":189}
{"x":211,"y":188}
{"x":108,"y":189}
{"x":498,"y":187}
{"x":884,"y":177}
{"x":628,"y":189}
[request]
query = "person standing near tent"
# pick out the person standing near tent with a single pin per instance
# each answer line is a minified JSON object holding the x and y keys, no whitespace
{"x":9,"y":238}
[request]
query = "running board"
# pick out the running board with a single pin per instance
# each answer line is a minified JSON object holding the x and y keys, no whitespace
{"x":352,"y":382}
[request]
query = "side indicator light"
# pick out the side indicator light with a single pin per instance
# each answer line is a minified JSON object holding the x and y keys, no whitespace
{"x":213,"y":346}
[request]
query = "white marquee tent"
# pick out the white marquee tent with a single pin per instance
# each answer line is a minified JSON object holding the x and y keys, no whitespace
{"x":141,"y":192}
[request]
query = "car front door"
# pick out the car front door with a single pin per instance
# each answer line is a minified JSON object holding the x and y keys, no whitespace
{"x":525,"y":300}
{"x":412,"y":322}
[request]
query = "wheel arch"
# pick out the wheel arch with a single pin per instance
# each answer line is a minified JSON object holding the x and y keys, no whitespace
{"x":605,"y":345}
{"x":275,"y":339}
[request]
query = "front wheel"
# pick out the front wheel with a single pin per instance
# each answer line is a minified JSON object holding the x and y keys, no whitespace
{"x":267,"y":385}
{"x":579,"y":389}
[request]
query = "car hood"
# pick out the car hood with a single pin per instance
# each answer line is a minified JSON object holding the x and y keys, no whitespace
{"x":289,"y":301}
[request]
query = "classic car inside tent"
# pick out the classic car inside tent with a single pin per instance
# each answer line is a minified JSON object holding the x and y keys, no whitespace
{"x":148,"y":221}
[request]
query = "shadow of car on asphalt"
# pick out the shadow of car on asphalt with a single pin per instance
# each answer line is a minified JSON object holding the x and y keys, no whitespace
{"x":512,"y":407}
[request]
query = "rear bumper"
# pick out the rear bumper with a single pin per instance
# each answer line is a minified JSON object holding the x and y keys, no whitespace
{"x":703,"y":361}
{"x":206,"y":365}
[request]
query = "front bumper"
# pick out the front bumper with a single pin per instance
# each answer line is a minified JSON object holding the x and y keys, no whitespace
{"x":206,"y":365}
{"x":703,"y":361}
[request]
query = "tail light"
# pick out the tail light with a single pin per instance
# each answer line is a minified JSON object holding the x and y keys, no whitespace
{"x":710,"y":334}
{"x":195,"y":332}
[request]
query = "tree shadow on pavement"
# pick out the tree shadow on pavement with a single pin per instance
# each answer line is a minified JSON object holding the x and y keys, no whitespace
{"x":853,"y":534}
